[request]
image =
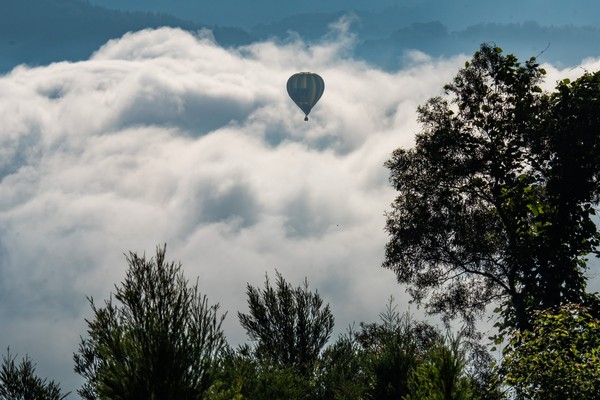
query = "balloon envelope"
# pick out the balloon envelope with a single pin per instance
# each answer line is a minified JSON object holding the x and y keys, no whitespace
{"x":305,"y":88}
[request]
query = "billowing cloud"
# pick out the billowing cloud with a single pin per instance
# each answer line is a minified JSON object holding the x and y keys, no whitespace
{"x":164,"y":137}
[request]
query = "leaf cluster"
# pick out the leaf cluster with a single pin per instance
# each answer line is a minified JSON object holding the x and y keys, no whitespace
{"x":559,"y":358}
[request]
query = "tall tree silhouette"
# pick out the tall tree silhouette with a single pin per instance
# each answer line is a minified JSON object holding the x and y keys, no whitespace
{"x":156,"y":338}
{"x":495,"y":201}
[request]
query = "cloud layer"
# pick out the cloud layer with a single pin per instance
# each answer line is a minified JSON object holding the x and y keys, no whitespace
{"x":164,"y":137}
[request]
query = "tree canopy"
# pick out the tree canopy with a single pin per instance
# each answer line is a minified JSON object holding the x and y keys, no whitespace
{"x":289,"y":325}
{"x":495,"y":202}
{"x":159,"y":339}
{"x":559,"y":358}
{"x":20,"y":382}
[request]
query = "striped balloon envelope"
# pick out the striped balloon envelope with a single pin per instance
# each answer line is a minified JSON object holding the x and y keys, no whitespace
{"x":305,"y":88}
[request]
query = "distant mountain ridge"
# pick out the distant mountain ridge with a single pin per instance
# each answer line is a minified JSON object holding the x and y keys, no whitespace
{"x":456,"y":14}
{"x":560,"y":45}
{"x":38,"y":32}
{"x":384,"y":38}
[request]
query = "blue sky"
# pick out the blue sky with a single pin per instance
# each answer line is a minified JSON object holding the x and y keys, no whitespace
{"x":163,"y":136}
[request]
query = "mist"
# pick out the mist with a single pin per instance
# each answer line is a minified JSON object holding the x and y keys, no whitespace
{"x":163,"y":136}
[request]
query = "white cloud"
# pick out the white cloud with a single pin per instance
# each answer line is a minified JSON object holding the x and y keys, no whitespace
{"x":163,"y":136}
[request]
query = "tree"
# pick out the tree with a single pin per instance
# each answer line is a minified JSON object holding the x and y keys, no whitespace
{"x":343,"y":374}
{"x":21,"y":383}
{"x":495,"y":201}
{"x":441,"y":375}
{"x":244,"y":376}
{"x":289,"y":325}
{"x":559,"y":358}
{"x":158,"y":339}
{"x":482,"y":372}
{"x":400,"y":358}
{"x":392,"y":350}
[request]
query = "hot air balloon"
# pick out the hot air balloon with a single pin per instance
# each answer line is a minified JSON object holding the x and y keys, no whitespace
{"x":305,"y":88}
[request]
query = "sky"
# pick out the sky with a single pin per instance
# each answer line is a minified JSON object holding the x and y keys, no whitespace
{"x":162,"y":136}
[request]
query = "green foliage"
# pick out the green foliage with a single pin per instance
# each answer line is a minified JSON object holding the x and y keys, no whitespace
{"x":243,"y":376}
{"x":232,"y":377}
{"x":559,"y":358}
{"x":342,"y":374}
{"x":220,"y":391}
{"x":289,"y":325}
{"x":280,"y":383}
{"x":392,"y":350}
{"x":441,"y":375}
{"x":21,"y":383}
{"x":159,"y":340}
{"x":481,"y":370}
{"x":400,"y":358}
{"x":495,"y":201}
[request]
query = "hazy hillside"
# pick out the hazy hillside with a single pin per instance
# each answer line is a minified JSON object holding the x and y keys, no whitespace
{"x":247,"y":14}
{"x":383,"y":38}
{"x":42,"y":31}
{"x":456,"y":14}
{"x":560,"y":45}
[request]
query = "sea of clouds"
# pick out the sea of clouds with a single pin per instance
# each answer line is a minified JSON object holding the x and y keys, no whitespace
{"x":163,"y":136}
